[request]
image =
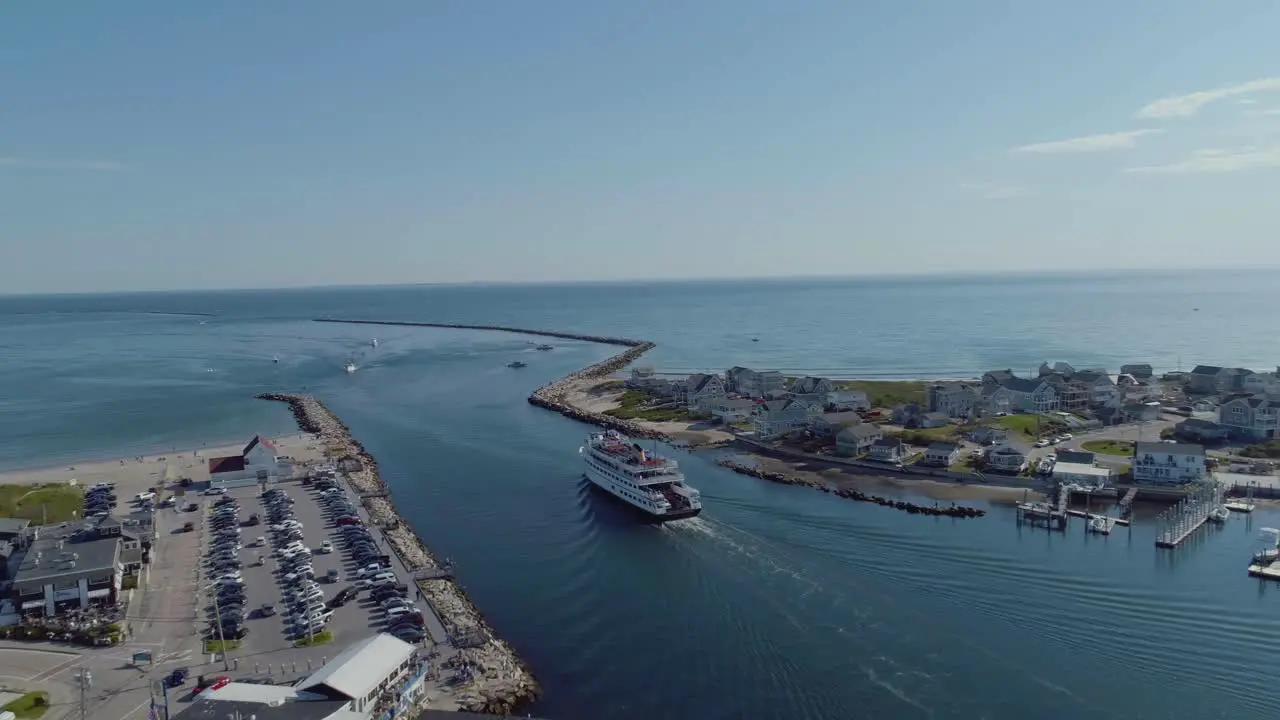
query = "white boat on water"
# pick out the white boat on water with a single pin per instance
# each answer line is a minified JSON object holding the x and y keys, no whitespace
{"x":1219,"y":514}
{"x":1100,"y":525}
{"x":646,"y":481}
{"x":350,"y":367}
{"x":1271,"y":551}
{"x":275,"y":358}
{"x":374,"y":342}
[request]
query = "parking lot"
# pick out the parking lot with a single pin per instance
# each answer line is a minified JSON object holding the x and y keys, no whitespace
{"x":269,"y":646}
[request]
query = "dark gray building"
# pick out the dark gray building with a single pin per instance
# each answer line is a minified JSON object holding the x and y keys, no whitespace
{"x":67,"y":566}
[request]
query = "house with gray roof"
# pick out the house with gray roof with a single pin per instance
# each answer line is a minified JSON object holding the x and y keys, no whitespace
{"x":1005,"y":392}
{"x":857,"y":439}
{"x":67,"y":566}
{"x":1249,"y":417}
{"x":941,"y":454}
{"x":1216,"y":379}
{"x":703,"y":390}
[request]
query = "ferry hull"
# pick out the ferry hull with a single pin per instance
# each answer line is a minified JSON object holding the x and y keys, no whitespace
{"x":641,"y":513}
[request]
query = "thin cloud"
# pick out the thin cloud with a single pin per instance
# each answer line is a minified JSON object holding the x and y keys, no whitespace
{"x":1189,"y":104}
{"x":85,"y":165}
{"x":1088,"y":143}
{"x":993,"y":191}
{"x":1216,"y":160}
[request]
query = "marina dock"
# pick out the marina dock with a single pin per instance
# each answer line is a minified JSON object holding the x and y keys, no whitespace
{"x":1269,"y":571}
{"x":1092,"y":516}
{"x":1188,"y":516}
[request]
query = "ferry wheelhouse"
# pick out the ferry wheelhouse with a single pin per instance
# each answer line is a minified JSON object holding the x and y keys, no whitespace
{"x":646,"y":481}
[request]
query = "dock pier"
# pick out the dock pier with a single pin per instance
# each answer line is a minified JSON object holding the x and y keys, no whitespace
{"x":1183,"y":519}
{"x":1126,"y":502}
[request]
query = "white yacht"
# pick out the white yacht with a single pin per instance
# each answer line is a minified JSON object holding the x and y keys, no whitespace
{"x":646,"y":481}
{"x":350,"y":367}
{"x":374,"y":342}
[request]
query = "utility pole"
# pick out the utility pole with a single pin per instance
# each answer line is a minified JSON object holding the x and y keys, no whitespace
{"x":226,"y":664}
{"x":86,"y":681}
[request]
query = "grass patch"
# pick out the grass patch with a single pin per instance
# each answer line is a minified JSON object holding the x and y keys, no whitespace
{"x":927,"y":436}
{"x":1027,"y":425}
{"x":1262,"y":450}
{"x":57,"y":502}
{"x":887,"y":393}
{"x":130,"y":582}
{"x":632,"y":407}
{"x":1109,"y":447}
{"x":30,"y":705}
{"x":319,"y":638}
{"x":220,"y":646}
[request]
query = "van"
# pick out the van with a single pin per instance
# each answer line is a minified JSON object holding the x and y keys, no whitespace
{"x":145,"y":496}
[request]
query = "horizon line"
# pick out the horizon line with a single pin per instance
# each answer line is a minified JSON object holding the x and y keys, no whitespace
{"x":951,"y":274}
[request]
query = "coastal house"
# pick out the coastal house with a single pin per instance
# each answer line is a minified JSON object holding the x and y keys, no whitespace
{"x":1161,"y":463}
{"x":941,"y":454}
{"x":1098,"y":385}
{"x":647,"y":380}
{"x":1004,"y":458}
{"x":829,"y":424}
{"x":954,"y":399}
{"x":812,"y":388}
{"x":1250,"y":417}
{"x":857,"y":439}
{"x":1084,"y":474}
{"x":1216,"y":379}
{"x":1197,"y":430}
{"x":259,"y":460}
{"x":732,"y":410}
{"x":1010,"y":393}
{"x":702,"y":391}
{"x":887,"y":449}
{"x":1081,"y":457}
{"x":1140,"y":412}
{"x":988,"y":435}
{"x":905,"y":414}
{"x":840,"y":400}
{"x":751,"y":383}
{"x":774,"y":418}
{"x":1262,"y":383}
{"x":933,"y":420}
{"x":1141,"y":372}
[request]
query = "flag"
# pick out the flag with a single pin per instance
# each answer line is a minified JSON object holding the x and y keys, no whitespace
{"x":153,"y":713}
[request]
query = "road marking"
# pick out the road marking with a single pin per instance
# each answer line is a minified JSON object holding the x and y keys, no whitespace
{"x":45,"y":675}
{"x":141,"y":705}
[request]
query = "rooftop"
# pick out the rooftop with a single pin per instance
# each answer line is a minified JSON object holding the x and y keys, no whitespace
{"x":45,"y":561}
{"x":12,"y":526}
{"x":1157,"y":448}
{"x":230,"y":463}
{"x":1071,"y":468}
{"x":356,"y":671}
{"x":204,"y":709}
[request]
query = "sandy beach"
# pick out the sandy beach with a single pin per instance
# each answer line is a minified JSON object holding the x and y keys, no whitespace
{"x":135,"y":474}
{"x":595,"y":395}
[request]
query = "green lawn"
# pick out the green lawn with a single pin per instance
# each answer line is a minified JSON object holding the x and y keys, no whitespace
{"x":1109,"y":447}
{"x":1027,"y":425}
{"x":56,"y":502}
{"x":30,"y":705}
{"x":887,"y":393}
{"x":925,"y":436}
{"x":1262,"y":450}
{"x":632,"y":402}
{"x":319,"y":638}
{"x":217,"y":646}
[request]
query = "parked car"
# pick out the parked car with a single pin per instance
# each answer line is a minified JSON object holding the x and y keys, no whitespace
{"x":177,"y":678}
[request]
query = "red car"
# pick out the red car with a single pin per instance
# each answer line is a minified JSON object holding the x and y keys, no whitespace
{"x":210,"y":683}
{"x":348,"y":520}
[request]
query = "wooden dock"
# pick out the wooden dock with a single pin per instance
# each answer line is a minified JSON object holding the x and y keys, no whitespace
{"x":1090,"y":516}
{"x":1188,"y":516}
{"x":1267,"y":572}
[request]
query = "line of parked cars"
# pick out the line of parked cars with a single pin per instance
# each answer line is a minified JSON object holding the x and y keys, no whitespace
{"x":99,"y":500}
{"x":372,"y":567}
{"x":305,"y":609}
{"x":228,"y":610}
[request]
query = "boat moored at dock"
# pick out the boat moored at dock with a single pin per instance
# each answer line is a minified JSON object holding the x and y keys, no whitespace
{"x":646,"y":481}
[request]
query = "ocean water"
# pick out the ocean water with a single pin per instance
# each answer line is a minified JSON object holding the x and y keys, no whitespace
{"x":777,"y":602}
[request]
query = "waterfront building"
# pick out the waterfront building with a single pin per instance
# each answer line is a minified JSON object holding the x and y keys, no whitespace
{"x":775,"y":418}
{"x":841,"y":400}
{"x":1138,"y":371}
{"x":954,"y":399}
{"x":68,"y":567}
{"x":1163,"y":463}
{"x":732,"y":410}
{"x":1005,"y":392}
{"x":259,"y":460}
{"x":1262,"y":383}
{"x":1004,"y":458}
{"x":1215,"y":379}
{"x":751,"y":383}
{"x":829,"y":424}
{"x":988,"y":435}
{"x":905,"y":414}
{"x":1086,"y":475}
{"x":813,"y":389}
{"x":858,"y":439}
{"x":702,"y":391}
{"x":933,"y":420}
{"x":887,"y":449}
{"x":1250,"y":417}
{"x":941,"y":454}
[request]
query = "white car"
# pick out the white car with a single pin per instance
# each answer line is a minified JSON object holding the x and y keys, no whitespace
{"x":396,"y":612}
{"x":307,"y":596}
{"x":369,"y":570}
{"x":325,"y":548}
{"x":1066,"y":436}
{"x":1041,"y":443}
{"x":383,"y":577}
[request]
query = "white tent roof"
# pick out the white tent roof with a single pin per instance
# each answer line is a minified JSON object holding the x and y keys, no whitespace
{"x":356,"y":671}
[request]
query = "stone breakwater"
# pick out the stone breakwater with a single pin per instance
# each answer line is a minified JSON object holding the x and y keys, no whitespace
{"x":500,"y":683}
{"x":552,"y":396}
{"x":956,"y":511}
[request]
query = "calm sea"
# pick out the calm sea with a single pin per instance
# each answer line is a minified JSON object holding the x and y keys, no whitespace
{"x":777,"y":602}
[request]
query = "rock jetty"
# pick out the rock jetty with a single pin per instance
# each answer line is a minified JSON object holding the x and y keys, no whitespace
{"x":500,"y":683}
{"x":953,"y":510}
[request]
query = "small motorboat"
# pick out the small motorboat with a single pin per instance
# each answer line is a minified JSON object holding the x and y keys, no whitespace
{"x":1219,"y":514}
{"x":545,"y":347}
{"x":755,"y":339}
{"x":374,"y":342}
{"x":275,"y":358}
{"x":350,"y":367}
{"x":1271,"y":551}
{"x":1100,"y":525}
{"x":516,"y":364}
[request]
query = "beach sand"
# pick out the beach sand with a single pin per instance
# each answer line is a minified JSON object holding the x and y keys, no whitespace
{"x":595,"y":395}
{"x":944,"y":491}
{"x":133,"y":475}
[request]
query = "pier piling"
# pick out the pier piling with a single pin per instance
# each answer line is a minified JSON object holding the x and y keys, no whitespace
{"x":1183,"y":519}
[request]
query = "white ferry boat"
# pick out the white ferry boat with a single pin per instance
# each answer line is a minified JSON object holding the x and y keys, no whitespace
{"x":646,"y":481}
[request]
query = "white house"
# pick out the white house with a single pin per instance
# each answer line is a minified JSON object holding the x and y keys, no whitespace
{"x":941,"y":454}
{"x":751,"y":383}
{"x":702,"y":391}
{"x":1006,"y":458}
{"x":732,"y":410}
{"x":259,"y":460}
{"x":779,"y":417}
{"x":1084,"y":474}
{"x":887,"y":449}
{"x":848,"y":400}
{"x":1168,"y":463}
{"x":857,"y":439}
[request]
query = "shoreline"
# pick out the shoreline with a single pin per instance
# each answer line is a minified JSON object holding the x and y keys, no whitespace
{"x":151,"y":453}
{"x":501,"y":682}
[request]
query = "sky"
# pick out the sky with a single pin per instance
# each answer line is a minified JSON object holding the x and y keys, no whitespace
{"x":161,"y":145}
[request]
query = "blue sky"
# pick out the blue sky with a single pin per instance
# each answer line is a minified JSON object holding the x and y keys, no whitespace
{"x":152,"y":145}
